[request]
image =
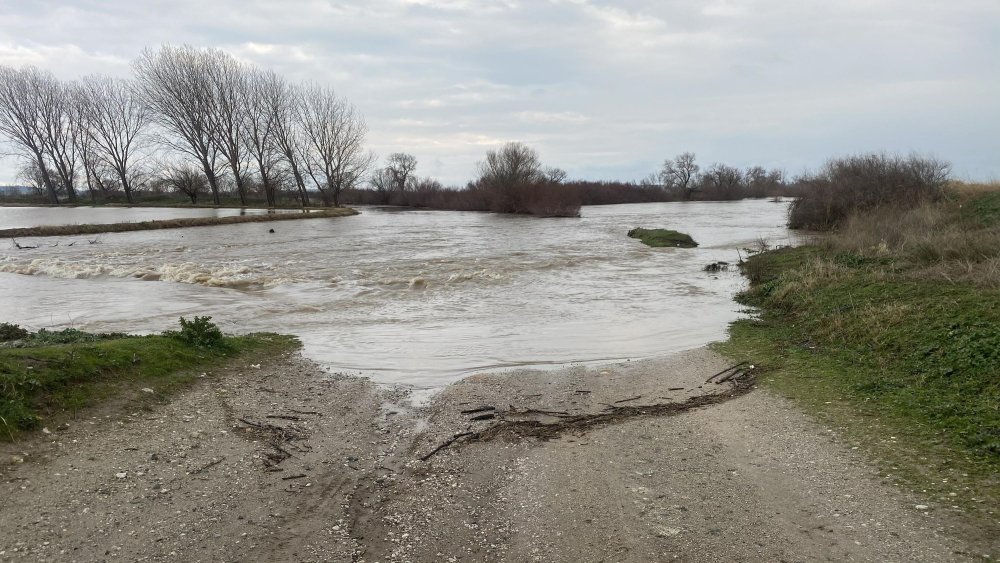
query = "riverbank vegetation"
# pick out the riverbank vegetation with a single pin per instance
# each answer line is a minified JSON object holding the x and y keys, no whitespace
{"x":889,"y":327}
{"x":47,"y":377}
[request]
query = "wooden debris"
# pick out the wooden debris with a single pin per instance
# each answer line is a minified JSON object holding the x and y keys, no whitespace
{"x":444,"y":445}
{"x":584,"y":422}
{"x":727,"y":370}
{"x":483,"y":408}
{"x":204,"y":467}
{"x":630,"y":399}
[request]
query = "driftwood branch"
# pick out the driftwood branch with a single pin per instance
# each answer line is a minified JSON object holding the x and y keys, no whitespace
{"x":483,"y":408}
{"x":728,"y":369}
{"x":584,"y":422}
{"x":447,"y":443}
{"x":204,"y":467}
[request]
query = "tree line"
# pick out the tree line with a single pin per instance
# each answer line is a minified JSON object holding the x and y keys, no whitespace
{"x":194,"y":121}
{"x":202,"y":124}
{"x":512,"y":179}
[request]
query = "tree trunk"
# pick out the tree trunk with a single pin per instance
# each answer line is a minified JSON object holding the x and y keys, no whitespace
{"x":300,"y":182}
{"x":240,"y":188}
{"x":50,"y":188}
{"x":125,"y":186}
{"x":213,"y":180}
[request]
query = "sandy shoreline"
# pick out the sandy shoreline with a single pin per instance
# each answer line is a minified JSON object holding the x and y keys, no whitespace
{"x":284,"y":463}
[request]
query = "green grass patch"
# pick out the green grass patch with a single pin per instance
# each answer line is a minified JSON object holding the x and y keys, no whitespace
{"x":907,"y":367}
{"x":663,"y":238}
{"x":51,"y":375}
{"x":983,"y":209}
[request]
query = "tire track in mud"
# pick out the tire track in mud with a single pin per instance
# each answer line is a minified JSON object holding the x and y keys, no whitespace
{"x":397,"y":510}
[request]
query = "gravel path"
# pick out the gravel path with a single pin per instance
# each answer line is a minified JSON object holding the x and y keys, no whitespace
{"x":283,"y":462}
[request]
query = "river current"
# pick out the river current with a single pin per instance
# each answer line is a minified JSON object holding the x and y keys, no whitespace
{"x":414,"y":297}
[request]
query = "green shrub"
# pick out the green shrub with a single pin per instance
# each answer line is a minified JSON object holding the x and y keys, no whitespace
{"x":10,"y":332}
{"x":201,"y":332}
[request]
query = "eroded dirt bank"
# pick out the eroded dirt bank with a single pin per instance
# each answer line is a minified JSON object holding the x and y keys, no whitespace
{"x":285,"y":463}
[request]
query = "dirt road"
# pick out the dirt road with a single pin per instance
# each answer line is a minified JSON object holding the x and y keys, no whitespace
{"x":283,"y":462}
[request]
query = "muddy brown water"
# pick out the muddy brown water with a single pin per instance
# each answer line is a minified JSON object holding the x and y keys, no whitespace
{"x":414,"y":297}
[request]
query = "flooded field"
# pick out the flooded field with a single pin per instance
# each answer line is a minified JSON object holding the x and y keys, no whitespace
{"x":415,"y":297}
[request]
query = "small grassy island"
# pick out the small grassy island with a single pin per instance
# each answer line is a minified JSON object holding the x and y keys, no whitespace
{"x":47,"y":376}
{"x":659,"y":238}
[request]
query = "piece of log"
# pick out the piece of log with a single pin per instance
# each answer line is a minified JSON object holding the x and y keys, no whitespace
{"x":725,"y":370}
{"x":204,"y":467}
{"x":629,"y":399}
{"x":444,"y":445}
{"x":483,"y":408}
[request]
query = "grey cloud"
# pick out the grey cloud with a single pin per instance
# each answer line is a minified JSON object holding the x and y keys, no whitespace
{"x":603,"y":89}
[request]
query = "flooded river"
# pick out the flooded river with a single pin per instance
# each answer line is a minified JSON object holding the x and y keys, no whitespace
{"x":414,"y":297}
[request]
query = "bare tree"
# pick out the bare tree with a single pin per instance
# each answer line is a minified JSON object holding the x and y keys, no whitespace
{"x":88,"y":155}
{"x":62,"y":125}
{"x":335,"y":134}
{"x":761,"y":182}
{"x":555,"y":175}
{"x":228,"y":116}
{"x":114,"y":121}
{"x":516,"y":182}
{"x":173,"y":82}
{"x":30,"y":174}
{"x":723,"y":182}
{"x":680,"y":174}
{"x":288,"y":135}
{"x":21,"y":118}
{"x":510,"y":165}
{"x":264,"y":99}
{"x":185,"y":179}
{"x":401,"y":167}
{"x":382,"y":181}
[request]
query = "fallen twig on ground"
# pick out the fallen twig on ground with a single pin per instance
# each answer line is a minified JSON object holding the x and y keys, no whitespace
{"x":204,"y":467}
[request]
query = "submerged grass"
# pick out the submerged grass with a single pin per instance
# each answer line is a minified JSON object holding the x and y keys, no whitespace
{"x":51,"y":375}
{"x":68,"y":230}
{"x":878,"y":331}
{"x":663,"y":238}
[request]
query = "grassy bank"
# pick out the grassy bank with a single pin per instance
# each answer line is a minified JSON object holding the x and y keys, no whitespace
{"x":67,"y":230}
{"x":48,"y":377}
{"x":889,"y":331}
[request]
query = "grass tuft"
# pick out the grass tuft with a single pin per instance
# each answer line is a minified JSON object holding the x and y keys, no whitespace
{"x":51,"y":375}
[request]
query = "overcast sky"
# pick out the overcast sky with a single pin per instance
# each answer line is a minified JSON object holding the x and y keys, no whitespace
{"x":605,"y":90}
